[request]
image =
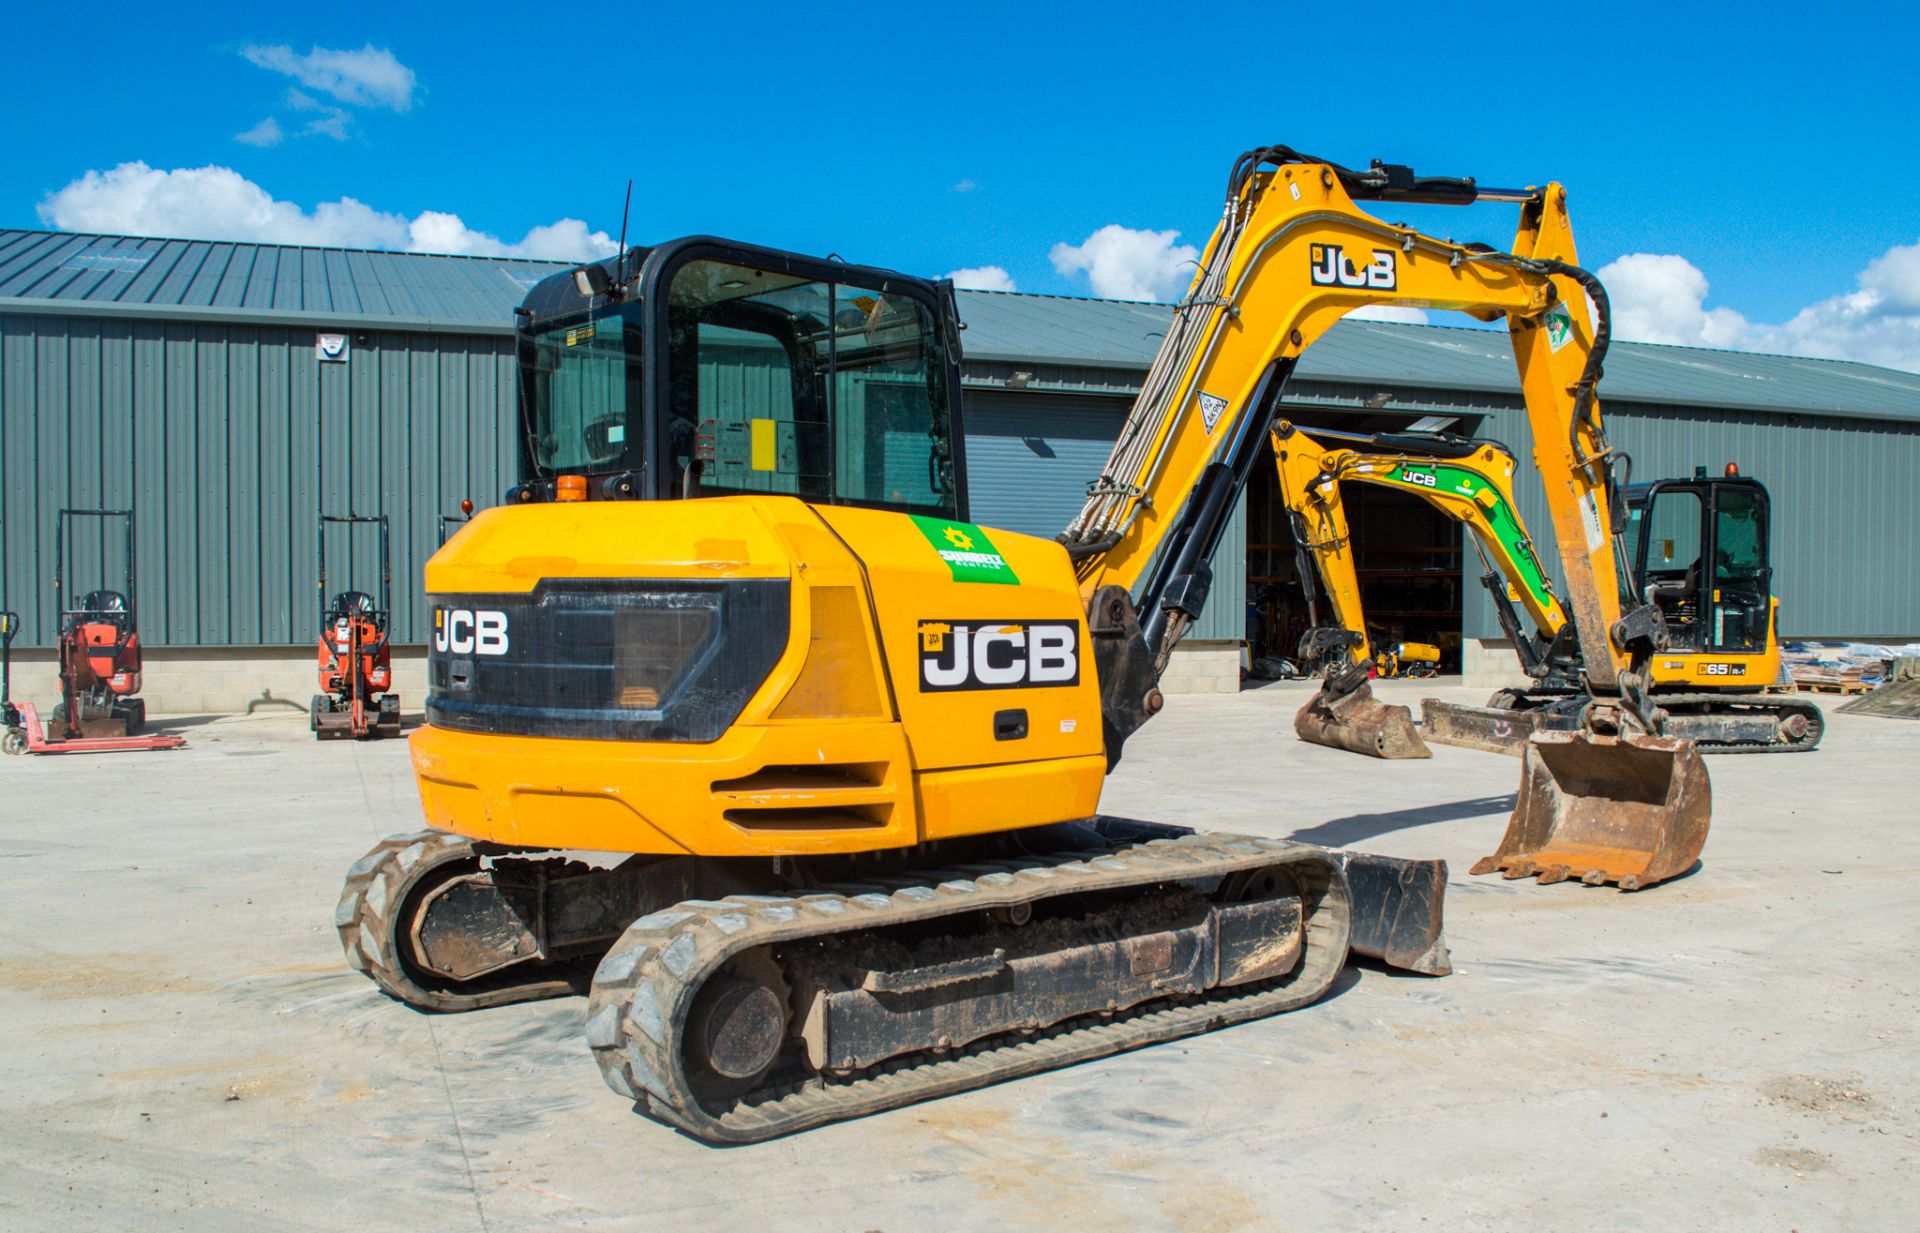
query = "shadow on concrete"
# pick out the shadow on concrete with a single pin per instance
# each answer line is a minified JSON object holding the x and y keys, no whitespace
{"x":1339,"y":832}
{"x":160,"y":725}
{"x":1251,"y":683}
{"x":266,"y":701}
{"x":1377,"y":969}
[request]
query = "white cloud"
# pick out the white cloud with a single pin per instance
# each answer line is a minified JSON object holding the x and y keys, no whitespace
{"x":965,"y":186}
{"x":332,"y":124}
{"x":329,"y":121}
{"x":567,"y":240}
{"x":264,"y":134}
{"x":218,"y":203}
{"x":370,"y":77}
{"x":1894,"y":276}
{"x":1124,"y":264}
{"x":1662,"y":298}
{"x":1389,"y":312}
{"x":983,"y":278}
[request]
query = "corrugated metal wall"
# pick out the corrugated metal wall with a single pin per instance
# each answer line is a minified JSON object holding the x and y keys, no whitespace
{"x":1030,"y":458}
{"x":227,"y":440}
{"x":1845,"y":540}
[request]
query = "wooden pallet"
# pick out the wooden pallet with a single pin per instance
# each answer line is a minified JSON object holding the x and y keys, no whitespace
{"x":1833,"y":687}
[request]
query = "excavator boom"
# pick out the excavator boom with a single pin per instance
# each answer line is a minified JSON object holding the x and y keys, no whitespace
{"x":1293,"y":253}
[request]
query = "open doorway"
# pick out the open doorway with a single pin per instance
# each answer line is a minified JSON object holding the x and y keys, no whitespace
{"x":1407,"y":555}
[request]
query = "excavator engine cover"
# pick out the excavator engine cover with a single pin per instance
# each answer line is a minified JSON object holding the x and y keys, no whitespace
{"x":1360,"y":723}
{"x":1631,"y":810}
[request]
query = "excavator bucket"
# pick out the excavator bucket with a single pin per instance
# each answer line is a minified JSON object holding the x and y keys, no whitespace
{"x":1631,"y":810}
{"x":1361,"y":723}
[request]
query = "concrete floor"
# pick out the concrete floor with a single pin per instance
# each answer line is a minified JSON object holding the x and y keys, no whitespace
{"x":185,"y":1048}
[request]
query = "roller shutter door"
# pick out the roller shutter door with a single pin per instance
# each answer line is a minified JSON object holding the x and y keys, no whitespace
{"x":1030,"y":458}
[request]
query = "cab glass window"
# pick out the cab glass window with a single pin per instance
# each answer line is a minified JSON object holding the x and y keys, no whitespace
{"x":580,"y":385}
{"x":1739,"y":547}
{"x":1672,"y":529}
{"x":825,"y":391}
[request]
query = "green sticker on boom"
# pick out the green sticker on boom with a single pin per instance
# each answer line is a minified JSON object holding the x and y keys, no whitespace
{"x":966,"y":550}
{"x":1559,"y":326}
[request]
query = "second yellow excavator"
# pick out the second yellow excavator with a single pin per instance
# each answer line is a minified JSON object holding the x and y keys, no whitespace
{"x":1704,"y":682}
{"x":838,"y":752}
{"x":1470,"y":481}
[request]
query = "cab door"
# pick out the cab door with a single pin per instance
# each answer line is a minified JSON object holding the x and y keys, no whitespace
{"x":1672,"y":561}
{"x":1740,"y":602}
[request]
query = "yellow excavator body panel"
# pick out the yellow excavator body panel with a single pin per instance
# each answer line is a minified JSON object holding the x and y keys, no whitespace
{"x":1743,"y":670}
{"x":935,"y":681}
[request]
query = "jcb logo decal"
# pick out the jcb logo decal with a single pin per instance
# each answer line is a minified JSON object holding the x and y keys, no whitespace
{"x":998,"y":654}
{"x":1425,"y":479}
{"x":463,"y":631}
{"x":1331,"y":267}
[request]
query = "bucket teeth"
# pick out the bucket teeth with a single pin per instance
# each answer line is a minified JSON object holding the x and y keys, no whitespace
{"x":1631,"y":810}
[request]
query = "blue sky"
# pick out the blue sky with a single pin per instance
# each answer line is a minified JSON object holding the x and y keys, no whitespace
{"x":1765,"y":150}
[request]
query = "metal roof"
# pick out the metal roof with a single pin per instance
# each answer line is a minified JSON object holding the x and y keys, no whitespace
{"x":1059,"y":329}
{"x":212,"y":278}
{"x":93,"y":274}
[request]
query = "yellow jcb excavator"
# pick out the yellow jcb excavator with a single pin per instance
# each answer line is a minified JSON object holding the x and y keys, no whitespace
{"x":1704,"y":682}
{"x":843,"y":749}
{"x":1470,"y":481}
{"x":1699,"y":553}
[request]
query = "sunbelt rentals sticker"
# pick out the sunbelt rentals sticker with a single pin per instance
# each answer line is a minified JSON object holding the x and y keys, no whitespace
{"x":966,"y":550}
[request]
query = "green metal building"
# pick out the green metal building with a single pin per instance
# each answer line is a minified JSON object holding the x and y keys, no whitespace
{"x":229,"y":393}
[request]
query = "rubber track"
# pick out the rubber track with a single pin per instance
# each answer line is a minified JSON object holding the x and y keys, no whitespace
{"x":1679,"y":704}
{"x":367,"y":918}
{"x":1816,"y":720}
{"x":646,"y":983}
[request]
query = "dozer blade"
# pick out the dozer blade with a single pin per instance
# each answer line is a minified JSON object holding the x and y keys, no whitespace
{"x":1361,"y":723}
{"x":1398,"y":911}
{"x":1486,"y":728}
{"x":1632,"y":810}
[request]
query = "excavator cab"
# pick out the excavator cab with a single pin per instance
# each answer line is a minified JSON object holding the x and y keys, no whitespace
{"x":706,"y":368}
{"x":1700,"y":554}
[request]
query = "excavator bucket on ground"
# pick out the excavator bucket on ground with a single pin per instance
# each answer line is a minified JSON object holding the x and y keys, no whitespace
{"x":1359,"y":722}
{"x":1631,"y":810}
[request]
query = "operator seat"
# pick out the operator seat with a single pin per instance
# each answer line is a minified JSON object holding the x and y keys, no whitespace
{"x":350,"y":604}
{"x":104,"y":608}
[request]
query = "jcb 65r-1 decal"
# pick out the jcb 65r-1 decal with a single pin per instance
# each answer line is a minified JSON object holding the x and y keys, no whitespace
{"x":998,"y":654}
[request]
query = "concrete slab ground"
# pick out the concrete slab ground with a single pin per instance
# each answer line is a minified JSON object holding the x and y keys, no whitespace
{"x":185,"y":1049}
